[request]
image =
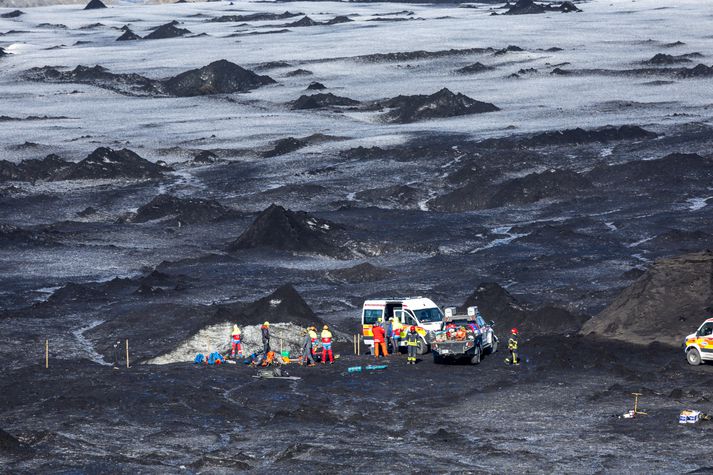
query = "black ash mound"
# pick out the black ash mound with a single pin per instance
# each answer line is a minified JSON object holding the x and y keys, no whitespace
{"x":667,"y":59}
{"x":180,"y":210}
{"x":495,"y":303}
{"x":669,"y":301}
{"x":128,"y":35}
{"x":95,"y":5}
{"x":283,"y":229}
{"x":283,"y":146}
{"x":219,"y":77}
{"x":168,"y":30}
{"x":262,"y":16}
{"x":474,"y":68}
{"x":361,"y":273}
{"x":298,"y":73}
{"x":444,"y":103}
{"x":322,"y":100}
{"x":576,"y":136}
{"x":12,"y":14}
{"x":304,"y":21}
{"x":316,"y":86}
{"x":102,"y":163}
{"x":284,"y":305}
{"x":528,"y":7}
{"x":106,"y":163}
{"x":9,"y":445}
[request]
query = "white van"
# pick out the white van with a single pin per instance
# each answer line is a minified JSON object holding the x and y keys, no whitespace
{"x":417,"y":311}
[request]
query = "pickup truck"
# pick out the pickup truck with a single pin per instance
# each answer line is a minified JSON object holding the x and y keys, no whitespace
{"x":463,"y":336}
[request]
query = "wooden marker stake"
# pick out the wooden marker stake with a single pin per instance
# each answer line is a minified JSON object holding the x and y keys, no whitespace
{"x":47,"y":354}
{"x":127,"y":352}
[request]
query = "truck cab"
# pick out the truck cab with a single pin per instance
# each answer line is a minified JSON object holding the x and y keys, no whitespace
{"x":699,"y":345}
{"x":420,"y":312}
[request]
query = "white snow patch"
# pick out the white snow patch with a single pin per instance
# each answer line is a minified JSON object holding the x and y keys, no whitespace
{"x":694,"y":204}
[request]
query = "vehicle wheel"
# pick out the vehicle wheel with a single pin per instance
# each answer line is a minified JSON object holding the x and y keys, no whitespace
{"x":437,"y":359}
{"x":422,"y":348}
{"x":693,"y":357}
{"x":476,"y":357}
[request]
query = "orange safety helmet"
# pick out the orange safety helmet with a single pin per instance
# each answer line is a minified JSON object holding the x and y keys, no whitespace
{"x":514,"y":331}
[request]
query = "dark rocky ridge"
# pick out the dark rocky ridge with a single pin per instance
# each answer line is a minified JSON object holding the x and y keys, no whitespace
{"x":576,"y":136}
{"x":102,"y":163}
{"x":283,"y":229}
{"x":169,"y":30}
{"x":528,"y":7}
{"x":254,"y":17}
{"x":128,"y":35}
{"x":321,"y":100}
{"x":669,"y":301}
{"x":219,"y":77}
{"x":444,"y":103}
{"x":474,"y":68}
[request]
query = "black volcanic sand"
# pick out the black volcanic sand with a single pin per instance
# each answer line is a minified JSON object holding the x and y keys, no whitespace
{"x":79,"y":416}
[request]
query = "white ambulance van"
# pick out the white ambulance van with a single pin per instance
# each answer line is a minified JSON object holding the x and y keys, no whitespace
{"x":410,"y":311}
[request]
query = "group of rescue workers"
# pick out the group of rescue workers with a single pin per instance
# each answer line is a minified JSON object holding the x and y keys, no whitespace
{"x":390,"y":331}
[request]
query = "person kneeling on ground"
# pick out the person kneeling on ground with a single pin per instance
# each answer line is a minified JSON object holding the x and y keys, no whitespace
{"x":512,"y":346}
{"x":307,"y":349}
{"x":327,"y":345}
{"x":235,"y":343}
{"x":379,"y":340}
{"x":412,"y":340}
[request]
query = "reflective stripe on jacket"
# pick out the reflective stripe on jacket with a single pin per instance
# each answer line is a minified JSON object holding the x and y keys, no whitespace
{"x":412,"y":339}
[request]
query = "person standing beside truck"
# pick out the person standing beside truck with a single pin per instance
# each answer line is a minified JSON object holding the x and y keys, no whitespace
{"x":412,"y":340}
{"x":513,"y":346}
{"x":379,"y":340}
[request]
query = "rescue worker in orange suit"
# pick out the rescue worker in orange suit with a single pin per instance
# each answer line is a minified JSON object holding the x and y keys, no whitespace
{"x":312,"y":331}
{"x":412,"y":340}
{"x":236,"y":343}
{"x":379,"y":340}
{"x":327,"y":345}
{"x":265,"y":329}
{"x":512,"y":346}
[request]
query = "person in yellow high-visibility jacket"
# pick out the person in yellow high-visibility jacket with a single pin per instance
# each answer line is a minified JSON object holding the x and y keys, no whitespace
{"x":412,"y":341}
{"x":513,"y":346}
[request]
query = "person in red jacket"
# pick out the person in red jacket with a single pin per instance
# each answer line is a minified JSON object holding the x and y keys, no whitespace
{"x":379,"y":340}
{"x":327,"y":345}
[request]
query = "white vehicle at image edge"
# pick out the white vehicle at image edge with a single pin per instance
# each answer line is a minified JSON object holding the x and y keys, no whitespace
{"x":420,"y":312}
{"x":699,"y":345}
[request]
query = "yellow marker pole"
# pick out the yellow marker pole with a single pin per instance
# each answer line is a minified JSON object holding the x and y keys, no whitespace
{"x":636,"y":403}
{"x":127,"y":352}
{"x":47,"y":354}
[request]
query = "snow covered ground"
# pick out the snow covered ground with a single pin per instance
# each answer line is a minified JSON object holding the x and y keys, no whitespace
{"x":607,"y":35}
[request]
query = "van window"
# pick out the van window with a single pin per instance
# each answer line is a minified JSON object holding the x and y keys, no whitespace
{"x":372,"y":316}
{"x":408,"y":318}
{"x":706,"y":330}
{"x":429,"y":315}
